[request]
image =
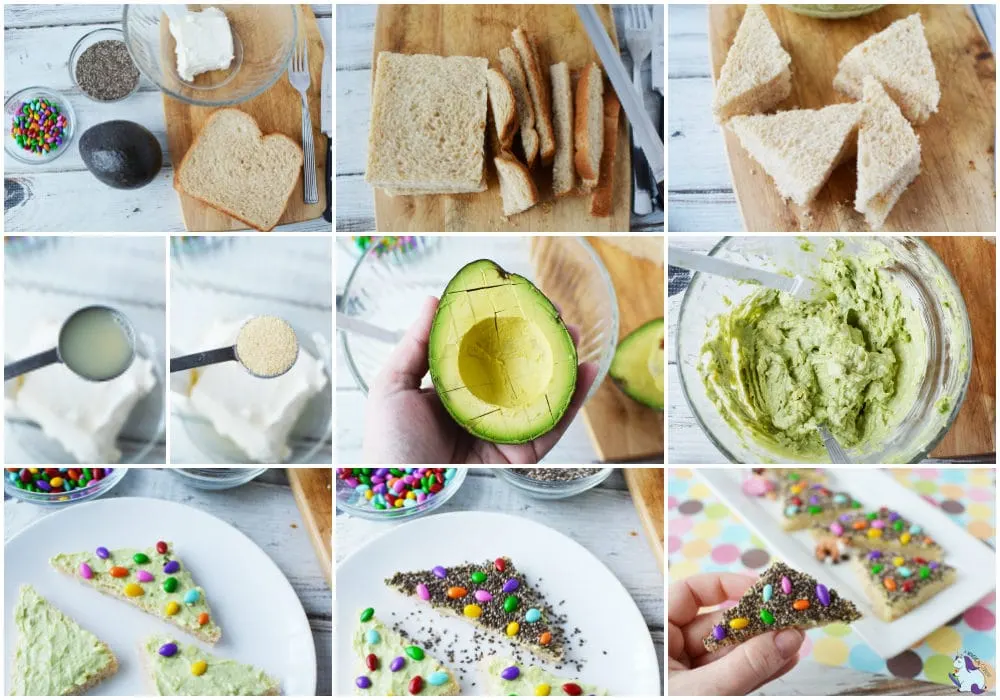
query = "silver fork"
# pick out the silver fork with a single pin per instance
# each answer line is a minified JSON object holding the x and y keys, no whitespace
{"x":639,"y":41}
{"x":298,"y":76}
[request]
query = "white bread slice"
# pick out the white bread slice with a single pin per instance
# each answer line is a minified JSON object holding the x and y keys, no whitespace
{"x":538,"y":87}
{"x":234,"y":168}
{"x":563,"y":171}
{"x":442,"y":189}
{"x":603,"y":198}
{"x":899,"y":58}
{"x":512,"y":69}
{"x":755,"y":76}
{"x":503,"y":106}
{"x":801,"y":147}
{"x":888,"y":155}
{"x":428,"y":123}
{"x":517,"y":188}
{"x":588,"y":129}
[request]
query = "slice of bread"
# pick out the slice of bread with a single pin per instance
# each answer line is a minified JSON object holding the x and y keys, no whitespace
{"x":444,"y":189}
{"x":538,"y":87}
{"x":71,"y":665}
{"x":517,"y":188}
{"x":428,"y":123}
{"x":888,"y":155}
{"x":602,"y":200}
{"x":588,"y":128}
{"x":563,"y":171}
{"x":174,"y":673}
{"x":756,"y":75}
{"x":512,"y":69}
{"x":899,"y":58}
{"x":503,"y":106}
{"x":234,"y":168}
{"x":801,"y":147}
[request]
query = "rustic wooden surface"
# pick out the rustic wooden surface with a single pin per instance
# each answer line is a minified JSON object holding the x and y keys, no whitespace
{"x":62,"y":196}
{"x":265,"y":511}
{"x":313,"y":491}
{"x":647,"y":487}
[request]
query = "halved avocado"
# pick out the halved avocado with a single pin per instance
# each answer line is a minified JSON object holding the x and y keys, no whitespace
{"x":501,"y":358}
{"x":637,"y":367}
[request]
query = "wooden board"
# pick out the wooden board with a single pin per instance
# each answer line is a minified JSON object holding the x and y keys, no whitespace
{"x":647,"y":489}
{"x":277,"y":110}
{"x":482,"y":30}
{"x":313,"y":491}
{"x":972,"y":261}
{"x":955,"y":191}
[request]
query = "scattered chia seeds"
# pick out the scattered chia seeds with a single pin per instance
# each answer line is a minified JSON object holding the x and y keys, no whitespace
{"x":553,"y":474}
{"x":105,"y":71}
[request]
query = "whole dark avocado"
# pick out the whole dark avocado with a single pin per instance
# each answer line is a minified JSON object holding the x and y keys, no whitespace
{"x":121,"y":154}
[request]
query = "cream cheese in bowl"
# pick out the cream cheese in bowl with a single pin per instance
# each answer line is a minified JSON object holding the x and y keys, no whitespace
{"x":204,"y":41}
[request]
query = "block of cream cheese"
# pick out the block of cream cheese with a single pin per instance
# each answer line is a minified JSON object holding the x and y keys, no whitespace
{"x":256,"y":414}
{"x":84,"y":417}
{"x":204,"y":42}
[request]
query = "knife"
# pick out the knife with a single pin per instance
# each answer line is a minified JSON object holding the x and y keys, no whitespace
{"x":326,"y":125}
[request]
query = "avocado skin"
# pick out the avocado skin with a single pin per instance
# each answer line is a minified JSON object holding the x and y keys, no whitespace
{"x":121,"y":154}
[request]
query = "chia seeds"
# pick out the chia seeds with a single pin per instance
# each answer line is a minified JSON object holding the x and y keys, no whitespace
{"x":105,"y":71}
{"x":551,"y":474}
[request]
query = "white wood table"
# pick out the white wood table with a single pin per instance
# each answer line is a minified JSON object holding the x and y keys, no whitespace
{"x":265,"y":511}
{"x":700,"y":188}
{"x":127,"y":273}
{"x":603,"y":520}
{"x":355,"y":38}
{"x":62,"y":195}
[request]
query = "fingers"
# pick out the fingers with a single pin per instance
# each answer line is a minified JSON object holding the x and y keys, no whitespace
{"x":702,"y":591}
{"x":407,"y":364}
{"x":585,"y":376}
{"x":750,"y":664}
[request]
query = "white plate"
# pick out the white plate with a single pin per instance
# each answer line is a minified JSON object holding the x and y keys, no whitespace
{"x":262,"y":620}
{"x":873,"y":488}
{"x":596,"y":601}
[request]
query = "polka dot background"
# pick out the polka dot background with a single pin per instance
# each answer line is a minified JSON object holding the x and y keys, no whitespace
{"x":703,"y":536}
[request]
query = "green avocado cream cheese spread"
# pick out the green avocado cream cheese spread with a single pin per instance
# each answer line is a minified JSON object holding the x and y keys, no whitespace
{"x":185,"y":669}
{"x":509,"y":677}
{"x":850,"y":358}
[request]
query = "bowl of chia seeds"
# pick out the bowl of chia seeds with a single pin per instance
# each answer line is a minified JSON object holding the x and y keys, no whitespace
{"x":101,"y":68}
{"x":554,"y":482}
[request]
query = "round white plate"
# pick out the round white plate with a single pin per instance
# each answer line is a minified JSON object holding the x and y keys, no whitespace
{"x":596,"y":602}
{"x":262,"y":620}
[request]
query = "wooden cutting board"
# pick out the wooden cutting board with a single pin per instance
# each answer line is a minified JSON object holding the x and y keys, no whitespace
{"x":955,"y":191}
{"x":972,"y":261}
{"x":647,"y":489}
{"x":482,"y":30}
{"x":313,"y":491}
{"x":277,"y":110}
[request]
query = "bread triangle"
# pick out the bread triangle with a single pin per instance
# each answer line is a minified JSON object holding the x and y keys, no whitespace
{"x":176,"y":668}
{"x":390,"y":664}
{"x":805,"y":503}
{"x":900,"y":59}
{"x":756,"y":75}
{"x":896,"y":584}
{"x":506,"y":676}
{"x":780,"y":599}
{"x":77,"y":663}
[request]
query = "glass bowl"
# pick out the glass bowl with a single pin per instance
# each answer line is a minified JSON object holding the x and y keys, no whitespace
{"x":540,"y":488}
{"x":92,"y":490}
{"x":260,"y":56}
{"x":85,"y":42}
{"x":389,"y":290}
{"x":13,"y":103}
{"x":217,"y":479}
{"x":833,"y":11}
{"x":351,"y":501}
{"x":924,"y":281}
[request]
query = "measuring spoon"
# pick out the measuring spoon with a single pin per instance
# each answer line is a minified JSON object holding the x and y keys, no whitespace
{"x":226,"y":354}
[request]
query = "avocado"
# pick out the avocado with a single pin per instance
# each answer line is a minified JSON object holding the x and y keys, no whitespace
{"x":637,"y":367}
{"x":501,"y":358}
{"x":121,"y":154}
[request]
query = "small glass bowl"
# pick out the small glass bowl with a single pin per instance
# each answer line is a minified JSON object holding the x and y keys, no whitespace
{"x":88,"y":492}
{"x":350,"y":501}
{"x":85,"y":42}
{"x":217,"y":479}
{"x":553,"y":489}
{"x":11,"y":106}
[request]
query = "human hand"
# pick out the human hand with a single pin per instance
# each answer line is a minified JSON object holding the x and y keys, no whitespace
{"x":732,"y":670}
{"x":405,"y":424}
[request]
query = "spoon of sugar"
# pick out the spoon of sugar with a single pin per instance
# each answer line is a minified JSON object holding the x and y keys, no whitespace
{"x":266,"y":347}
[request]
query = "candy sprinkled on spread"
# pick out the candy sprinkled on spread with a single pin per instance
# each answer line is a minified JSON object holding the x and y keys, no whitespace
{"x":53,"y":480}
{"x":386,"y":488}
{"x":803,"y":501}
{"x":883,"y":528}
{"x":182,"y":669}
{"x":514,"y":677}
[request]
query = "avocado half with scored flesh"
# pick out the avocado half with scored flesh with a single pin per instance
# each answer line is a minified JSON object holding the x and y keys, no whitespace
{"x":637,"y":367}
{"x":501,"y":358}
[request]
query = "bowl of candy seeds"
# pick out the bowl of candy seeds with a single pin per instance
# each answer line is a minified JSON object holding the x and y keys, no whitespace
{"x":39,"y":125}
{"x":52,"y":486}
{"x":396,"y":493}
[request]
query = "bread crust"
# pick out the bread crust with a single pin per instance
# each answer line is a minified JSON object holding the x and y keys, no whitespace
{"x":514,"y":72}
{"x":495,"y":80}
{"x":602,"y":200}
{"x":585,"y":157}
{"x":538,"y":86}
{"x":522,"y":172}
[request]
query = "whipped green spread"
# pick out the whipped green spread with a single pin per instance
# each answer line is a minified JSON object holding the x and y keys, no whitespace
{"x":178,"y":674}
{"x":180,"y":601}
{"x":390,"y":651}
{"x":54,"y":655}
{"x":850,"y":359}
{"x":531,"y":680}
